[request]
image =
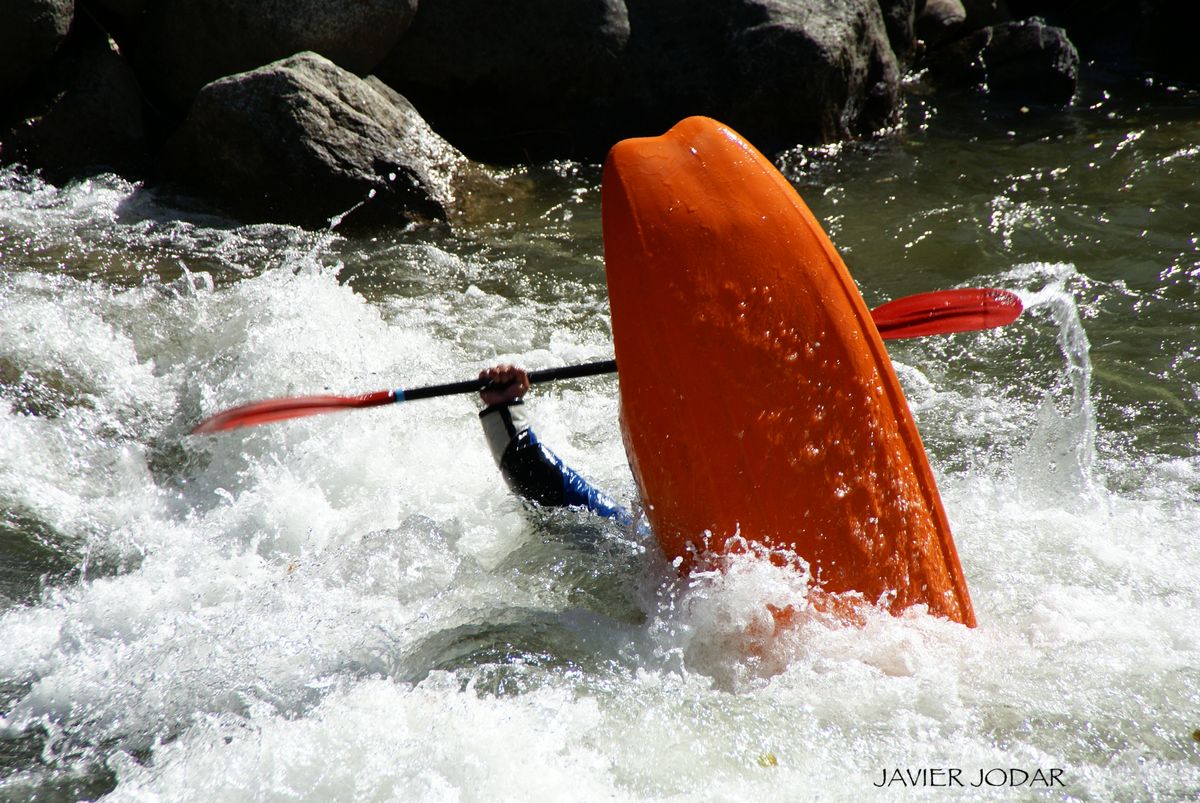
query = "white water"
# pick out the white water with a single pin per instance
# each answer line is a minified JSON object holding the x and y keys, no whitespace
{"x":354,"y":607}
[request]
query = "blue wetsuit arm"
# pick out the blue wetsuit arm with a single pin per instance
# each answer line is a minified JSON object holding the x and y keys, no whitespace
{"x":536,"y":473}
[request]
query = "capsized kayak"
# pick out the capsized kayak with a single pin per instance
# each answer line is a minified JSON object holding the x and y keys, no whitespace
{"x":758,"y":402}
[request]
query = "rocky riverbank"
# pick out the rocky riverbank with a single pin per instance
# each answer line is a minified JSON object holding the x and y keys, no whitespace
{"x":301,"y":111}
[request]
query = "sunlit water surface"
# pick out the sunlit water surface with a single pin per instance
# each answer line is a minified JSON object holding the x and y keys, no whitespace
{"x":354,"y":606}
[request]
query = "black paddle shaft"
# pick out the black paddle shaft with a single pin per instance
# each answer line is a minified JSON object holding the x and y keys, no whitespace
{"x":535,"y":377}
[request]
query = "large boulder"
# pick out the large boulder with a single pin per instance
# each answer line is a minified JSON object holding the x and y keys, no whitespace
{"x":89,"y":120}
{"x":940,"y":22}
{"x":506,"y":81}
{"x":30,"y":32}
{"x":1026,"y":62}
{"x":185,"y":44}
{"x":780,"y":71}
{"x":303,"y":141}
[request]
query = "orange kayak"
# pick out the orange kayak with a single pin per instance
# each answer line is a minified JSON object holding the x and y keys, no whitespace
{"x":757,"y":399}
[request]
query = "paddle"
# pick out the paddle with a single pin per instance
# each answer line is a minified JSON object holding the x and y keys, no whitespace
{"x":938,"y":312}
{"x":942,"y":312}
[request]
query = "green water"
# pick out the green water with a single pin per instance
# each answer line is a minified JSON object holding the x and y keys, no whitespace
{"x":1109,"y":188}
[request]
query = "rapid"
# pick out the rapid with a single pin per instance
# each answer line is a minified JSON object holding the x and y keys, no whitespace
{"x":354,"y":606}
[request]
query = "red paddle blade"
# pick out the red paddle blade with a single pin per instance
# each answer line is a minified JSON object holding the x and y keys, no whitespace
{"x":944,"y":311}
{"x":264,"y":412}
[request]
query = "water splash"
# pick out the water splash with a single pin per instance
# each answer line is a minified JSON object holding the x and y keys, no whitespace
{"x":1060,"y":455}
{"x":719,"y":623}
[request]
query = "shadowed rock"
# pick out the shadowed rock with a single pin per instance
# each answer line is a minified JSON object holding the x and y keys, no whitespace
{"x":1027,"y":62}
{"x":30,"y":33}
{"x":511,"y":80}
{"x":89,"y":120}
{"x":779,"y":71}
{"x":1125,"y":37}
{"x":834,"y":73}
{"x":940,"y":22}
{"x":552,"y":78}
{"x":899,"y":16}
{"x":188,"y":43}
{"x":302,"y":140}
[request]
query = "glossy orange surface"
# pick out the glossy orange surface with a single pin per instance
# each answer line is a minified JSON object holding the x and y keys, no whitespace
{"x":757,"y":398}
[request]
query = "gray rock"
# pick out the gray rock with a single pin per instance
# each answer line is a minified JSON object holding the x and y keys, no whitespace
{"x":779,"y":71}
{"x":185,"y":44}
{"x":302,"y":141}
{"x":942,"y":21}
{"x":818,"y":72}
{"x":1027,"y":62}
{"x":510,"y":80}
{"x":30,"y":32}
{"x":91,"y":121}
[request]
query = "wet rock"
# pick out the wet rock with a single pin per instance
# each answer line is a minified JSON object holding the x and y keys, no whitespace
{"x":507,"y":81}
{"x":90,"y":120}
{"x":1031,"y":61}
{"x":302,"y":140}
{"x":779,"y":71}
{"x":185,"y":44}
{"x":942,"y":21}
{"x":1027,"y":62}
{"x":30,"y":32}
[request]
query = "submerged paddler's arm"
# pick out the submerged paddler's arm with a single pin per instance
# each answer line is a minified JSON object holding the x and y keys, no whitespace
{"x":530,"y":469}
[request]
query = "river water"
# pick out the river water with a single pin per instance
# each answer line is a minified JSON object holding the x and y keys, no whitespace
{"x":354,"y":606}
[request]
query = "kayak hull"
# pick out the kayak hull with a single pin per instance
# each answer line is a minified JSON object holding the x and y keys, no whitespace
{"x":758,"y":403}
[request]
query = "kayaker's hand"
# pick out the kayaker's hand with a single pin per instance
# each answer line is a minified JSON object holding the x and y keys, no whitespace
{"x":507,"y":383}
